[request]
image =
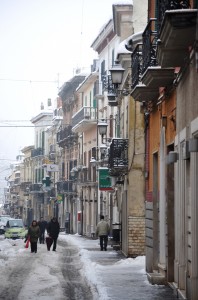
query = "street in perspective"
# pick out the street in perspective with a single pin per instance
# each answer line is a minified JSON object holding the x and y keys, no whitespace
{"x":99,"y":150}
{"x":77,"y":270}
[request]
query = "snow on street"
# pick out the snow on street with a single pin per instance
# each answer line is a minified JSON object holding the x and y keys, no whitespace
{"x":42,"y":275}
{"x":77,"y":271}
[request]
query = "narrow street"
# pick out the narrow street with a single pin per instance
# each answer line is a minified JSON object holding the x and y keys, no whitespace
{"x":44,"y":275}
{"x":77,"y":271}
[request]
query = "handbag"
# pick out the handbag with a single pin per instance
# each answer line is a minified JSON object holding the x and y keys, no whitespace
{"x":27,"y":243}
{"x":49,"y":242}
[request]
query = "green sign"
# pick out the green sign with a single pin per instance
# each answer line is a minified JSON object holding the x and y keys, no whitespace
{"x":59,"y":198}
{"x":104,"y":179}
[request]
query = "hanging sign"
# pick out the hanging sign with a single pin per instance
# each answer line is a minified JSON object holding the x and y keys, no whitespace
{"x":52,"y":168}
{"x":104,"y":179}
{"x":59,"y":198}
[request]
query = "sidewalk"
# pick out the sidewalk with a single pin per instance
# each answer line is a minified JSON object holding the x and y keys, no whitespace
{"x":117,"y":277}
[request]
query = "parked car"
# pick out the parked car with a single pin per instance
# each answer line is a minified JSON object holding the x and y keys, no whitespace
{"x":15,"y":229}
{"x":3,"y":222}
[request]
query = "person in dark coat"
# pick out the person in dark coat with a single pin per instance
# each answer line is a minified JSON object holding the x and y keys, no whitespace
{"x":53,"y":230}
{"x":34,"y":233}
{"x":42,"y":225}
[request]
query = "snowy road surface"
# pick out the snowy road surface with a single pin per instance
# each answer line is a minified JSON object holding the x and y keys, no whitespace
{"x":77,"y":271}
{"x":42,"y":275}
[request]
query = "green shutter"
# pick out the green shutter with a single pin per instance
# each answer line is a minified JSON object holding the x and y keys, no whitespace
{"x":94,"y":103}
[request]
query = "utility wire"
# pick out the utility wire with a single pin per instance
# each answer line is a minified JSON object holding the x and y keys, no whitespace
{"x":33,"y":126}
{"x":14,"y":121}
{"x":30,"y":81}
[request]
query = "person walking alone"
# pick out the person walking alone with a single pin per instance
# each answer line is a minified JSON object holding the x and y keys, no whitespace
{"x":103,"y":230}
{"x":53,"y":230}
{"x":33,"y":233}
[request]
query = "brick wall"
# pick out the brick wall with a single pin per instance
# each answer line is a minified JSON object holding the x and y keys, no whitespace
{"x":136,"y":231}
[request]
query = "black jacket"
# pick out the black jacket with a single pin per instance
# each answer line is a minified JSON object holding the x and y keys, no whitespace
{"x":53,"y":229}
{"x":42,"y":225}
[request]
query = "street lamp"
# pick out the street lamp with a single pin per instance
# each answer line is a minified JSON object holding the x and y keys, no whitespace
{"x":73,"y":171}
{"x":93,"y":162}
{"x":102,"y":127}
{"x":117,"y":74}
{"x":114,"y":80}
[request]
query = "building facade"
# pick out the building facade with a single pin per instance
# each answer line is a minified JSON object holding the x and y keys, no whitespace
{"x":165,"y":87}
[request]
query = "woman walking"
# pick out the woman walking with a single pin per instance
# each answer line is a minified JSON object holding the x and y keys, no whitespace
{"x":34,"y":233}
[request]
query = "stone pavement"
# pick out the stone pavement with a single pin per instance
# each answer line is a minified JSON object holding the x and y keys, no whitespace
{"x":124,"y":281}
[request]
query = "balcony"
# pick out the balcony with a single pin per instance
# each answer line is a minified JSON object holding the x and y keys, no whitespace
{"x":65,"y":136}
{"x":35,"y":188}
{"x":84,"y":119}
{"x":17,"y":181}
{"x":136,"y":65}
{"x":65,"y":186}
{"x":52,"y":152}
{"x":37,"y":152}
{"x":118,"y":157}
{"x":176,"y":38}
{"x":87,"y":183}
{"x":166,"y":44}
{"x":25,"y":186}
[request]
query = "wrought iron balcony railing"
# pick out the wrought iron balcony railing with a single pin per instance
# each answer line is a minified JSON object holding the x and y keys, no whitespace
{"x":85,"y":113}
{"x":118,"y":157}
{"x":163,"y":5}
{"x":37,"y":152}
{"x":25,"y":186}
{"x":65,"y":186}
{"x":17,"y":181}
{"x":35,"y":188}
{"x":136,"y":65}
{"x":64,"y":132}
{"x":149,"y":47}
{"x":145,"y":55}
{"x":66,"y":136}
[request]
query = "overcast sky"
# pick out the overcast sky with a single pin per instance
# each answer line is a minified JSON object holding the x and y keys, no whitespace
{"x":42,"y":43}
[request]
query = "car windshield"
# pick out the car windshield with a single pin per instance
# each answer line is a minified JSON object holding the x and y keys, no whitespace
{"x":4,"y":220}
{"x":15,"y":223}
